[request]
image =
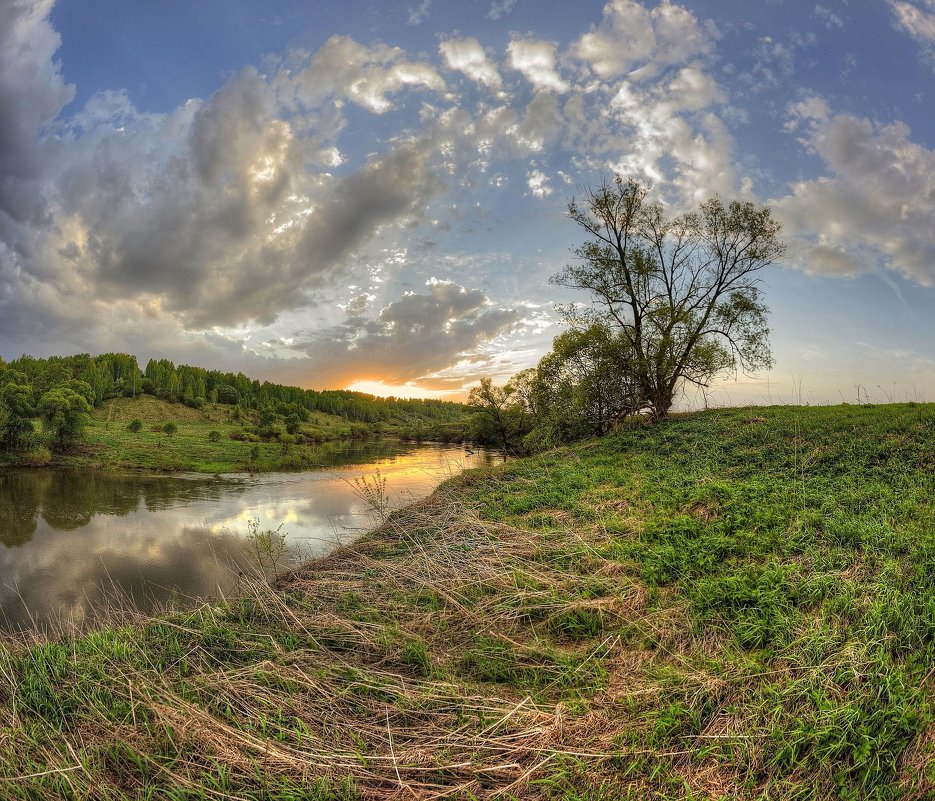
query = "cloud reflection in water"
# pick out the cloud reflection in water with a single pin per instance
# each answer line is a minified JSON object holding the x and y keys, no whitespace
{"x":72,"y":542}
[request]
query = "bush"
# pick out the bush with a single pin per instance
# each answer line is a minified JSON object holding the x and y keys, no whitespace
{"x":39,"y":456}
{"x":214,"y":436}
{"x":135,"y":426}
{"x":170,"y":429}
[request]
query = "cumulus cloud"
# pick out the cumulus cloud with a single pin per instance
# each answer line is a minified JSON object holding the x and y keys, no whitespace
{"x":538,"y":183}
{"x":536,"y":61}
{"x":874,"y":209}
{"x":215,"y":212}
{"x":632,"y":38}
{"x":367,"y":76}
{"x":467,"y":56}
{"x":418,"y":334}
{"x":190,"y":229}
{"x":32,"y":93}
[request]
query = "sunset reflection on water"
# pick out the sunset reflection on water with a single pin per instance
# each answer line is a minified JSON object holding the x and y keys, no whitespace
{"x":72,"y":544}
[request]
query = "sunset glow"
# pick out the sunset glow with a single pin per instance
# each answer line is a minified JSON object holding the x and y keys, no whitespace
{"x":384,"y":389}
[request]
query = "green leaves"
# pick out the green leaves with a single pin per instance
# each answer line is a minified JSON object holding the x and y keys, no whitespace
{"x":64,"y":413}
{"x":682,"y":291}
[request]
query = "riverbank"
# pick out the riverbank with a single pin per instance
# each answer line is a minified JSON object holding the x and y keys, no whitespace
{"x":206,"y":440}
{"x":732,"y":604}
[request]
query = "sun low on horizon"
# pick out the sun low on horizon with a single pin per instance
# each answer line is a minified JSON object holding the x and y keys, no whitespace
{"x":382,"y":389}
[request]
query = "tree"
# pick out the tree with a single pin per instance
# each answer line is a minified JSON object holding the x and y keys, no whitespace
{"x":582,"y":387}
{"x":501,"y":417}
{"x":228,"y":394}
{"x":64,"y":413}
{"x":683,"y":292}
{"x":16,"y":401}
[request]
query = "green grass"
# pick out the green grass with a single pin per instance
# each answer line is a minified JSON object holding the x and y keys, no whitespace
{"x":108,"y":444}
{"x":732,"y":604}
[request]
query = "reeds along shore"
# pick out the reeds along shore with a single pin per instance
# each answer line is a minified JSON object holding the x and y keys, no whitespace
{"x":733,"y":604}
{"x":334,"y":679}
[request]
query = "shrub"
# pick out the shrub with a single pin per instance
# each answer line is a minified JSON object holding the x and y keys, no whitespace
{"x":135,"y":426}
{"x":170,"y":429}
{"x":214,"y":436}
{"x":39,"y":457}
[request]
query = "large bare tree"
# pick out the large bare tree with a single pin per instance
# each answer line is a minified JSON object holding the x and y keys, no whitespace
{"x":683,"y":291}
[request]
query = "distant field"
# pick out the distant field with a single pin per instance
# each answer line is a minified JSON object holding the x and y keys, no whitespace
{"x":110,"y":445}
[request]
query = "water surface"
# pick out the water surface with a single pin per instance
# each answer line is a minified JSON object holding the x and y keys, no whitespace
{"x":71,"y":543}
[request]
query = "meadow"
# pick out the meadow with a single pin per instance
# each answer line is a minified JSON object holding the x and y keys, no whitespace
{"x":736,"y":603}
{"x":107,"y":443}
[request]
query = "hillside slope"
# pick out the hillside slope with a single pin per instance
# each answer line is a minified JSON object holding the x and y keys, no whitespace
{"x":192,"y":447}
{"x":732,"y":604}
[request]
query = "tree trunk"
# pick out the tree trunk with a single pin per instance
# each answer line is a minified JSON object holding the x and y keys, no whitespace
{"x":661,"y":400}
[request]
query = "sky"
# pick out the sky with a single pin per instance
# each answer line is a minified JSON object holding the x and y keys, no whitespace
{"x":373,"y":195}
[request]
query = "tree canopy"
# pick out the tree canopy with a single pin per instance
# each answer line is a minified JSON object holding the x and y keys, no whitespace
{"x":682,"y":292}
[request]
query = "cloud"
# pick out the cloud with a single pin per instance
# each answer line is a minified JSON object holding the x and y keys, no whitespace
{"x":243,"y":212}
{"x":828,"y":17}
{"x":500,"y":8}
{"x":538,"y":183}
{"x":915,"y":18}
{"x":631,"y":38}
{"x":467,"y":56}
{"x":32,"y":93}
{"x":214,"y":212}
{"x":412,"y":337}
{"x":536,"y":61}
{"x":419,"y":13}
{"x":343,"y":68}
{"x":873,"y":210}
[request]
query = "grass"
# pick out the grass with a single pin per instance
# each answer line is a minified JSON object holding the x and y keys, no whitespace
{"x":732,"y":604}
{"x":109,"y":444}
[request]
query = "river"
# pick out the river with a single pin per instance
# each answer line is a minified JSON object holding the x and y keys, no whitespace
{"x":75,"y":543}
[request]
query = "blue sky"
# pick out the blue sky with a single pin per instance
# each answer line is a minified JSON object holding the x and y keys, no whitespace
{"x":341,"y":194}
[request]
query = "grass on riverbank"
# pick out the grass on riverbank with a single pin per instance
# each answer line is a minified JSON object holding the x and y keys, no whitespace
{"x":108,"y":444}
{"x":734,"y":604}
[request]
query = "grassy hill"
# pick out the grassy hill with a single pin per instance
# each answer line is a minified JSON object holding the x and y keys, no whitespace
{"x":109,"y":444}
{"x":733,"y":604}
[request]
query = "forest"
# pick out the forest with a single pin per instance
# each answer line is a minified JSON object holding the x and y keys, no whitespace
{"x":62,"y":391}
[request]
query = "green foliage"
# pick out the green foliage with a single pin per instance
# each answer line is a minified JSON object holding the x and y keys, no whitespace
{"x":170,"y":428}
{"x":135,"y":426}
{"x":582,"y":388}
{"x":269,"y":545}
{"x":16,"y":402}
{"x":214,"y":436}
{"x":682,"y":293}
{"x":114,"y":375}
{"x":500,"y":415}
{"x":64,"y":414}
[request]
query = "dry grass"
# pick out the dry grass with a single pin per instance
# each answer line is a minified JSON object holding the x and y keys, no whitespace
{"x":420,"y":662}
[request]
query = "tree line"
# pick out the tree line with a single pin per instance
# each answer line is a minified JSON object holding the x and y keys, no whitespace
{"x":672,"y":302}
{"x":61,"y":391}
